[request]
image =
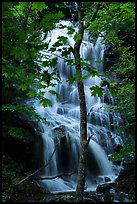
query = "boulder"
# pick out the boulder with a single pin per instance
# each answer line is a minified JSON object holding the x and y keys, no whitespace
{"x":103,"y":188}
{"x":117,"y":148}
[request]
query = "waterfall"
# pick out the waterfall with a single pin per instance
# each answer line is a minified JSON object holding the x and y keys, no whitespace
{"x":62,"y":132}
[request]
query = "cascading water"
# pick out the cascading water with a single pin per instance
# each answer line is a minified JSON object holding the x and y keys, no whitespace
{"x":61,"y":132}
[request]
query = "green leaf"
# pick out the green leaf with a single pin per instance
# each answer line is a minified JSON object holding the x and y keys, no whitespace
{"x":59,"y":15}
{"x":23,"y":87}
{"x":45,"y":102}
{"x":32,"y":93}
{"x":63,"y":39}
{"x":16,"y":133}
{"x":52,"y":49}
{"x":65,"y":53}
{"x":5,"y":75}
{"x":70,"y":62}
{"x":45,"y":64}
{"x":126,"y":150}
{"x":42,"y":86}
{"x":39,"y":6}
{"x":46,"y":77}
{"x":57,"y":44}
{"x":41,"y":93}
{"x":77,"y":37}
{"x":94,"y":73}
{"x":62,"y":26}
{"x":77,"y":75}
{"x":30,"y":111}
{"x":71,"y":80}
{"x":54,"y":93}
{"x":96,"y":90}
{"x":88,"y":58}
{"x":53,"y":62}
{"x":113,"y":91}
{"x":113,"y":84}
{"x":53,"y":85}
{"x":105,"y":83}
{"x":70,"y":30}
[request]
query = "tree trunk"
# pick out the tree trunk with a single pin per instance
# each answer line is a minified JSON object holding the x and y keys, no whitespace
{"x":83,"y":112}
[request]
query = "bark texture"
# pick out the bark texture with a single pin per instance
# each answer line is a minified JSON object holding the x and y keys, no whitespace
{"x":83,"y":112}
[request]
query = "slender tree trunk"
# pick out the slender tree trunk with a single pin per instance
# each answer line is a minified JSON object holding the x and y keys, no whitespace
{"x":83,"y":112}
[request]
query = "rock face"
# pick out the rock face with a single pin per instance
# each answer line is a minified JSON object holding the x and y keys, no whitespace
{"x":123,"y":189}
{"x":28,"y":150}
{"x":110,"y":59}
{"x":126,"y":179}
{"x":117,"y":148}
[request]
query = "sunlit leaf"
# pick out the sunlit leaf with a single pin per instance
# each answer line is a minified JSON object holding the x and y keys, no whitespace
{"x":39,"y":6}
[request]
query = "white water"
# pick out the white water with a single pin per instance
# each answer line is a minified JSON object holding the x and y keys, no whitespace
{"x":64,"y":120}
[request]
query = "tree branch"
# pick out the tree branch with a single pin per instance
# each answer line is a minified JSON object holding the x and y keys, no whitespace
{"x":93,"y":16}
{"x":45,"y":165}
{"x":58,"y":55}
{"x":106,"y":39}
{"x":57,"y":176}
{"x":24,"y":25}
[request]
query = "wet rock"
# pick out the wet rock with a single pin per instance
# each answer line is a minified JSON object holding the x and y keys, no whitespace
{"x":110,"y":58}
{"x":107,"y":179}
{"x":126,"y":180}
{"x":29,"y":149}
{"x":59,"y":131}
{"x":109,"y":134}
{"x":117,"y":148}
{"x":103,"y":188}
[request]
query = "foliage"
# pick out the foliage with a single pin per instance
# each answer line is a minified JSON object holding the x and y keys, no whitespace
{"x":117,"y":26}
{"x":24,"y":27}
{"x":10,"y":171}
{"x":26,"y":44}
{"x":46,"y":102}
{"x":16,"y":132}
{"x":96,"y":90}
{"x":30,"y":111}
{"x":126,"y":150}
{"x":21,"y":45}
{"x":111,"y":13}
